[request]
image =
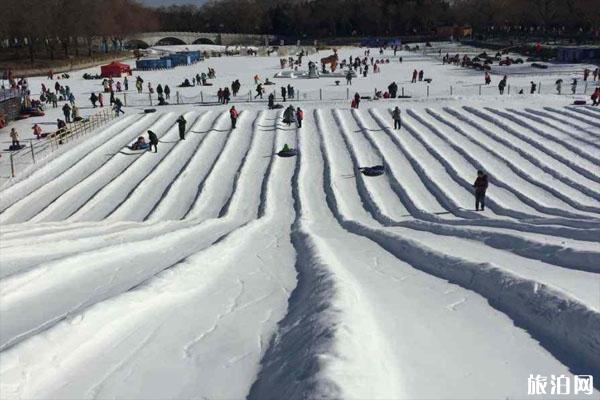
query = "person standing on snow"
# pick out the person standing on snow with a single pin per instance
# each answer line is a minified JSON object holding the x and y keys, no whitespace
{"x":271,"y":101}
{"x":153,"y":139}
{"x":356,"y":99}
{"x":533,"y":88}
{"x":558,"y":84}
{"x":93,"y":99}
{"x":480,"y":185}
{"x":181,"y":122}
{"x":574,"y":86}
{"x":167,"y":91}
{"x":283,"y":93}
{"x":66,"y":109}
{"x":288,"y":115}
{"x":349,"y":77}
{"x":502,"y":84}
{"x":226,"y":95}
{"x":393,"y":90}
{"x":596,"y":97}
{"x":235,"y":87}
{"x":14,"y":137}
{"x":100,"y":99}
{"x":233,"y":115}
{"x":299,"y":117}
{"x":397,"y":117}
{"x":414,"y":76}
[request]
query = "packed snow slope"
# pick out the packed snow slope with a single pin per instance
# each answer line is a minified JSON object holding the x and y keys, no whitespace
{"x":216,"y":269}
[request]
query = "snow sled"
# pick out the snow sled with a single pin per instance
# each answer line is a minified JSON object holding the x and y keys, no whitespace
{"x":288,"y":153}
{"x":538,"y":65}
{"x":22,"y":116}
{"x":373,"y":171}
{"x":579,"y":103}
{"x":14,"y":147}
{"x":277,"y":106}
{"x":144,"y":146}
{"x":149,"y":110}
{"x":37,"y":114}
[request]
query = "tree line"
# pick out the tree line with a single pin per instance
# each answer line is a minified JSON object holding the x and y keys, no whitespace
{"x":62,"y":28}
{"x":332,"y":18}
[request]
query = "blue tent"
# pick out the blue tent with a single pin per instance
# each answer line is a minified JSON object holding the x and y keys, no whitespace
{"x":195,"y":56}
{"x":154,"y":63}
{"x":178,"y":59}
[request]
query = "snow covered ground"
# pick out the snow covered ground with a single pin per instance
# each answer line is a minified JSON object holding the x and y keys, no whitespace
{"x":216,"y":269}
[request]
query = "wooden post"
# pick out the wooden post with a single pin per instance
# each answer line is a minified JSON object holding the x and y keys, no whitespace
{"x":201,"y":97}
{"x":450,"y":90}
{"x":480,"y":90}
{"x":320,"y":94}
{"x":539,"y":87}
{"x":125,"y":99}
{"x":12,"y":166}
{"x":427,"y":90}
{"x":177,"y":96}
{"x":508,"y":89}
{"x":347,"y":94}
{"x":150,"y":97}
{"x":402,"y":91}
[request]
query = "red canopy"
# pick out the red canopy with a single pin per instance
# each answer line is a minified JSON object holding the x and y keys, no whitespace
{"x":114,"y":69}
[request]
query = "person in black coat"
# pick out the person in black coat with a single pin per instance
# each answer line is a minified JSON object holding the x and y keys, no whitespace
{"x":181,"y":122}
{"x":153,"y":139}
{"x":480,"y":185}
{"x":271,"y":101}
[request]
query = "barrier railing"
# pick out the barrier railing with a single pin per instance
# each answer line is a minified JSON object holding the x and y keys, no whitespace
{"x":6,"y":94}
{"x":406,"y":89}
{"x":36,"y":149}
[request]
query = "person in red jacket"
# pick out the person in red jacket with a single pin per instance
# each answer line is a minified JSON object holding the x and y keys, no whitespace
{"x":233,"y":114}
{"x":299,"y":117}
{"x":480,"y":185}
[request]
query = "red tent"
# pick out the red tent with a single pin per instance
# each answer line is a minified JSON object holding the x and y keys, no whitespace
{"x":114,"y":69}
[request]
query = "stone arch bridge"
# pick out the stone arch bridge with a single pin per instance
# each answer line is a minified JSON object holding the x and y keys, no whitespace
{"x":149,"y":39}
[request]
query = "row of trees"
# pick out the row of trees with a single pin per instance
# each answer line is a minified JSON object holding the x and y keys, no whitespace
{"x":66,"y":27}
{"x":53,"y":28}
{"x":330,"y":18}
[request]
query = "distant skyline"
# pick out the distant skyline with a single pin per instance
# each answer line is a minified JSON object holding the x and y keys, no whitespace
{"x":158,"y":3}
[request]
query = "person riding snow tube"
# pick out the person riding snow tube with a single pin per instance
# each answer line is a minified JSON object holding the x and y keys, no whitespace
{"x":373,"y":171}
{"x":140,"y":144}
{"x":287,"y":151}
